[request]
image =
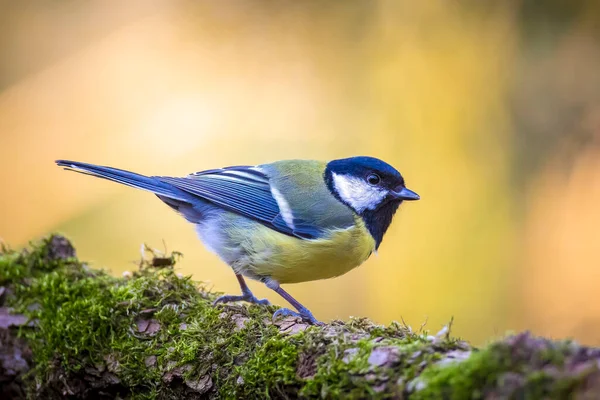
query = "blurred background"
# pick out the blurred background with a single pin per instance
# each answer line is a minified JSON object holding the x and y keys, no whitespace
{"x":491,"y":110}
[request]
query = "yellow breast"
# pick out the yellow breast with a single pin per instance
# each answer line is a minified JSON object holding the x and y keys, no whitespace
{"x":290,"y":260}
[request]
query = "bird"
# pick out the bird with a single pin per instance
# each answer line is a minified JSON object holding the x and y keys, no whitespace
{"x":283,"y":222}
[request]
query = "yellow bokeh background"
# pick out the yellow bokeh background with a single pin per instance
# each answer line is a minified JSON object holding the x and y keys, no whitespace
{"x":490,"y":111}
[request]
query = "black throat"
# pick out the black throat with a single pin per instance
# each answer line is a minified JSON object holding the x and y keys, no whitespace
{"x":377,"y":221}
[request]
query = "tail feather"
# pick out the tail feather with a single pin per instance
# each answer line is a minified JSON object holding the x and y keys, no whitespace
{"x":126,"y":178}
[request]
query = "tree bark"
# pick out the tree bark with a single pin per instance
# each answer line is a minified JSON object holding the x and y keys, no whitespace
{"x":68,"y":331}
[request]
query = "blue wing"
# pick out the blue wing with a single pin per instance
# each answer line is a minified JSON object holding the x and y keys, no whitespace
{"x":246,"y":191}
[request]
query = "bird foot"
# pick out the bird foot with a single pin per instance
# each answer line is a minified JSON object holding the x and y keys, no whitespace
{"x":304,"y":314}
{"x":250,"y":298}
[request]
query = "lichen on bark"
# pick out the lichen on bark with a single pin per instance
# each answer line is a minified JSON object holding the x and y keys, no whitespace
{"x":67,"y":330}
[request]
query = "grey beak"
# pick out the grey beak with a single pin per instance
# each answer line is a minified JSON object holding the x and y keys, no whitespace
{"x":406,"y":194}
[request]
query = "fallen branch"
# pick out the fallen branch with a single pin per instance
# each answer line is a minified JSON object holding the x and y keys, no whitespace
{"x":70,"y":331}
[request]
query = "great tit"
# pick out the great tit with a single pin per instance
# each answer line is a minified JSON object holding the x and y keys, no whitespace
{"x":285,"y":222}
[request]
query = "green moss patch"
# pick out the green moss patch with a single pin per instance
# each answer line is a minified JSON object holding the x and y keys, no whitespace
{"x":520,"y":367}
{"x":156,"y":335}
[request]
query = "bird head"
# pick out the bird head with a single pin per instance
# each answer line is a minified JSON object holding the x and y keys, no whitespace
{"x":371,"y":188}
{"x":366,"y":183}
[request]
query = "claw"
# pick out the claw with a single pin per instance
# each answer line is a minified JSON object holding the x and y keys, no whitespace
{"x":262,"y":302}
{"x":247,"y":298}
{"x":303,"y":314}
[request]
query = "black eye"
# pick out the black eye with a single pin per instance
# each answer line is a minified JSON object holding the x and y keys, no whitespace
{"x":373,"y":179}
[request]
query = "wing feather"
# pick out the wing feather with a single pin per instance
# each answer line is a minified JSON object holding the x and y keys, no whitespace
{"x":244,"y":190}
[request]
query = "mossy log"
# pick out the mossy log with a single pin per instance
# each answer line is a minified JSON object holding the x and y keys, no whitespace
{"x":69,"y":331}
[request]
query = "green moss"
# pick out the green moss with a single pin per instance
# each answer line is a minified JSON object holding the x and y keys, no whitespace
{"x":347,"y":371}
{"x":462,"y":380}
{"x":87,"y":318}
{"x":334,"y":376}
{"x":521,"y":367}
{"x":270,"y":371}
{"x":48,"y":255}
{"x":10,"y":269}
{"x":157,"y":335}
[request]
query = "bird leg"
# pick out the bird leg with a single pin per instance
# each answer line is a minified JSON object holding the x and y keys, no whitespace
{"x":246,"y":295}
{"x":303,"y":312}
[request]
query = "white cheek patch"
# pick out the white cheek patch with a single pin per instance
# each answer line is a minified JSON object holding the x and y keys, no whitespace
{"x":357,"y":193}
